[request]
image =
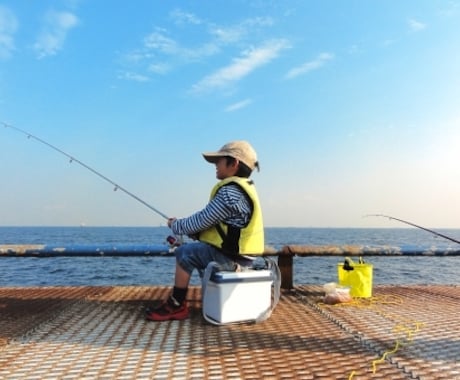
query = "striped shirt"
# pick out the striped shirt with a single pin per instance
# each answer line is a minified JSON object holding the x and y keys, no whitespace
{"x":230,"y":205}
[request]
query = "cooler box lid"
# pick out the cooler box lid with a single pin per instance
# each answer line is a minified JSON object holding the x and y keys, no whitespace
{"x":245,"y":276}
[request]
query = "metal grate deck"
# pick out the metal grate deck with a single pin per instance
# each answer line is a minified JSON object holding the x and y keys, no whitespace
{"x":403,"y":332}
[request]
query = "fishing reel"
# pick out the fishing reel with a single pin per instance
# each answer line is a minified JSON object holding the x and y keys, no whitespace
{"x":175,"y":241}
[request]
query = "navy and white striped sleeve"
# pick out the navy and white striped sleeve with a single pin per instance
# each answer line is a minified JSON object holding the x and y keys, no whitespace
{"x":230,"y":205}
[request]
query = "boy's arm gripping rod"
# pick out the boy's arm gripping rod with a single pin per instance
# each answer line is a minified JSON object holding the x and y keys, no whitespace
{"x":89,"y":168}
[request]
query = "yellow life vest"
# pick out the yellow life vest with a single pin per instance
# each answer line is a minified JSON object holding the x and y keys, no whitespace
{"x":248,"y":240}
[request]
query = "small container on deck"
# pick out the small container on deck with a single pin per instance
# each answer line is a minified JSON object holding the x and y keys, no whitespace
{"x":357,"y":276}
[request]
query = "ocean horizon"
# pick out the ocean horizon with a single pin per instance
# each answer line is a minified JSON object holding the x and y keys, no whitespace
{"x":75,"y":271}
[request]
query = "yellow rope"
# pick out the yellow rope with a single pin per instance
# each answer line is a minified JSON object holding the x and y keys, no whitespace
{"x":384,"y":356}
{"x":403,"y":325}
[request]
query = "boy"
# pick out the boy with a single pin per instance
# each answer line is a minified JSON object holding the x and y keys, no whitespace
{"x":229,"y":230}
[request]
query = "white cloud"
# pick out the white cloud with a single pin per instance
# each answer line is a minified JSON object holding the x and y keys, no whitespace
{"x":162,"y":52}
{"x":235,"y":33}
{"x":241,"y":67}
{"x":416,"y":26}
{"x":160,"y":42}
{"x":52,"y":38}
{"x":8,"y":26}
{"x":317,"y":63}
{"x":258,"y":21}
{"x":238,"y":105}
{"x":227,"y":35}
{"x":133,"y":77}
{"x":159,"y":68}
{"x":180,"y":17}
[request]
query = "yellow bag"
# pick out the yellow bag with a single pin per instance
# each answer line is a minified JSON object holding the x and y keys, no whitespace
{"x":357,"y":276}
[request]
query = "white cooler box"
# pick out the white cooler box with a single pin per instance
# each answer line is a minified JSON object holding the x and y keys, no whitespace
{"x":237,"y":296}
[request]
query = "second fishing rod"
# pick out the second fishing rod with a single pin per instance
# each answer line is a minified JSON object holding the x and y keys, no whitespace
{"x":73,"y":159}
{"x":417,"y":226}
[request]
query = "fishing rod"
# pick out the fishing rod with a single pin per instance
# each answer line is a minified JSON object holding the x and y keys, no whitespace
{"x":73,"y":159}
{"x":415,"y":225}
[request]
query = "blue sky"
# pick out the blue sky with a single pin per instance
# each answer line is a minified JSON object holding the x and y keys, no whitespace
{"x":352,"y":106}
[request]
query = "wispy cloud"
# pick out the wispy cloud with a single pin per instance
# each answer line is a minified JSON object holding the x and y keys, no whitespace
{"x":133,"y":76}
{"x":181,"y":17}
{"x":308,"y":66}
{"x":159,"y":68}
{"x":416,"y":26}
{"x":234,"y":33}
{"x":159,"y":43}
{"x":162,"y":51}
{"x":227,"y":35}
{"x":8,"y":27}
{"x":56,"y":27}
{"x":238,"y":105}
{"x":242,"y":66}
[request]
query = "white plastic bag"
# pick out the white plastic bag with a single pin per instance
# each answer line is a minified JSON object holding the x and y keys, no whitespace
{"x":336,"y":294}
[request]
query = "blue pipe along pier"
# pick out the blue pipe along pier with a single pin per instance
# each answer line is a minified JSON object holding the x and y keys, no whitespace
{"x":285,"y":255}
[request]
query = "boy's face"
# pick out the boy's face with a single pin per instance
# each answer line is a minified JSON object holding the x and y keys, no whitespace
{"x":223,"y":170}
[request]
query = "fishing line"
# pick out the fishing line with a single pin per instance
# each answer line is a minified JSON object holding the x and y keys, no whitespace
{"x":73,"y":159}
{"x":415,"y":225}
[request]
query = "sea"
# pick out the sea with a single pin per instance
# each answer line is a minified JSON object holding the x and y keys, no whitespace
{"x":159,"y":270}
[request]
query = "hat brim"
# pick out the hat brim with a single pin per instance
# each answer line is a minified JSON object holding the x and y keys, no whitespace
{"x":212,"y":157}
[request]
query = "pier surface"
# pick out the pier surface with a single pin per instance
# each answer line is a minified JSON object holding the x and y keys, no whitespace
{"x":402,"y":332}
